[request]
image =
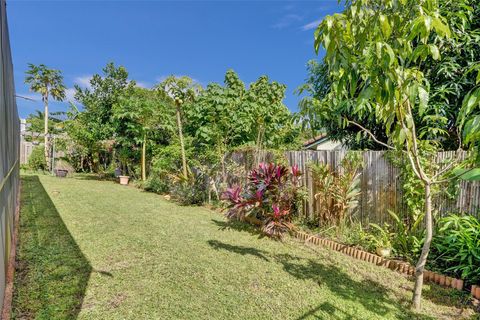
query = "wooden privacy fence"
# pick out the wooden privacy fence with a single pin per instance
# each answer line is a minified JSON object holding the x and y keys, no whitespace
{"x":381,"y":185}
{"x":9,"y":160}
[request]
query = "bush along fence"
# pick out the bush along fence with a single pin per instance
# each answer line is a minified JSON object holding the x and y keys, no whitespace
{"x":381,"y":186}
{"x":266,"y":196}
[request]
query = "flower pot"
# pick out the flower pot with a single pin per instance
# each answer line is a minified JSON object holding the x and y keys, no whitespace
{"x":384,"y":252}
{"x":124,"y":180}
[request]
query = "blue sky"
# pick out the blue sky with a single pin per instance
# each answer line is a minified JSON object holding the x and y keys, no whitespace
{"x":153,"y":39}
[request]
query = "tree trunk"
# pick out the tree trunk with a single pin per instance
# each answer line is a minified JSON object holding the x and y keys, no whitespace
{"x":180,"y":136}
{"x":417,"y":291}
{"x":45,"y":132}
{"x":144,"y":153}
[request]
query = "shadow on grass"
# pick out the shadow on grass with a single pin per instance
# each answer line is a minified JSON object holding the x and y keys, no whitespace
{"x":217,"y":245}
{"x":52,"y":273}
{"x":372,"y":295}
{"x":238,"y":226}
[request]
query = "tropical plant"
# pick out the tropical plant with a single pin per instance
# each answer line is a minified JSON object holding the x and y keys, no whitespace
{"x":95,"y":128}
{"x":49,"y":83}
{"x":182,"y":91}
{"x":270,"y":196}
{"x":451,"y":78}
{"x":456,"y":247}
{"x":374,"y":52}
{"x":408,"y":240}
{"x":380,"y":237}
{"x":36,"y":160}
{"x":143,"y":112}
{"x":337,"y":190}
{"x":190,"y":189}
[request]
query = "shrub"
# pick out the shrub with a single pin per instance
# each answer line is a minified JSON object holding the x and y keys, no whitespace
{"x":156,"y":183}
{"x":456,"y":247}
{"x":270,"y":196}
{"x":337,"y":191}
{"x":189,"y":190}
{"x":36,"y":161}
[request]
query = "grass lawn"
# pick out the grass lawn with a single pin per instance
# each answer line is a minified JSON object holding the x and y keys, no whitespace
{"x":96,"y":250}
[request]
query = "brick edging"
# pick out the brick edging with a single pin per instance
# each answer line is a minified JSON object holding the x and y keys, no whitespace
{"x":399,"y":266}
{"x":8,"y":295}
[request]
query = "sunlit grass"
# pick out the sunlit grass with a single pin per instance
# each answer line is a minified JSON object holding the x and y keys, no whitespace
{"x":153,"y":259}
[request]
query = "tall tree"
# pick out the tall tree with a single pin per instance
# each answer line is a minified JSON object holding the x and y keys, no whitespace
{"x":49,"y":83}
{"x":449,"y":80}
{"x":374,"y":53}
{"x":96,"y":124}
{"x":182,"y":91}
{"x":144,"y":112}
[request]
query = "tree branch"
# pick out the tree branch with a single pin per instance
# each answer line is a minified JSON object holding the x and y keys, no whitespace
{"x":371,"y":135}
{"x":454,"y":177}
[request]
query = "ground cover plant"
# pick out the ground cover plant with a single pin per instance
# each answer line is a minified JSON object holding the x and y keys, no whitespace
{"x":98,"y":250}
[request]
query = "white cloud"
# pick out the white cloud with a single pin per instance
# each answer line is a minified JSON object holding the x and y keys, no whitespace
{"x":83,"y":81}
{"x":287,"y":20}
{"x":311,"y":25}
{"x":69,"y":94}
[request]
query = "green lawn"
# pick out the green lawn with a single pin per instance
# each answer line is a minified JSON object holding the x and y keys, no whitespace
{"x":97,"y":250}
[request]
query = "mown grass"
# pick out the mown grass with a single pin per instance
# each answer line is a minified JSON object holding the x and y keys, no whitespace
{"x":127,"y":254}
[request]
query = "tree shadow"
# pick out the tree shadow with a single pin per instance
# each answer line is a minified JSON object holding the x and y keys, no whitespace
{"x":240,"y":226}
{"x":372,"y":295}
{"x":51,"y":273}
{"x":217,"y":245}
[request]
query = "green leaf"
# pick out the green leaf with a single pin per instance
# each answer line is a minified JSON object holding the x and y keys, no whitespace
{"x":423,"y":98}
{"x":386,"y":29}
{"x":434,"y":52}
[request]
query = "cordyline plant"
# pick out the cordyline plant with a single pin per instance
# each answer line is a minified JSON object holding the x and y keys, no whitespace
{"x":270,"y":196}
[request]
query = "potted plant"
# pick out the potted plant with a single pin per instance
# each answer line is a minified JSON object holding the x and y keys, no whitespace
{"x":381,"y":240}
{"x":124,"y":180}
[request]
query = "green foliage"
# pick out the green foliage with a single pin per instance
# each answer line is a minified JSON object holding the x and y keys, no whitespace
{"x":36,"y":161}
{"x":225,"y":117}
{"x":47,"y":82}
{"x":157,"y":183}
{"x":408,"y":236}
{"x":337,"y":189}
{"x":190,"y":190}
{"x":382,"y":38}
{"x":36,"y":123}
{"x":379,"y":237}
{"x":456,"y":247}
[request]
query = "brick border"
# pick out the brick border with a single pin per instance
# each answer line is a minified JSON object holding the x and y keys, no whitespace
{"x":8,"y":295}
{"x":399,"y":266}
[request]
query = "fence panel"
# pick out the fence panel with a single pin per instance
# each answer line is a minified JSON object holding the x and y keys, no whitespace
{"x":9,"y":150}
{"x":381,"y":184}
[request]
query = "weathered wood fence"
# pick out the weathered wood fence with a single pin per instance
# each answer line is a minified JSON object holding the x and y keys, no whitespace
{"x":9,"y":161}
{"x":381,"y":184}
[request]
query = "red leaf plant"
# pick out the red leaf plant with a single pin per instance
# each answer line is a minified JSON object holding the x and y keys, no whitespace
{"x":271,"y":196}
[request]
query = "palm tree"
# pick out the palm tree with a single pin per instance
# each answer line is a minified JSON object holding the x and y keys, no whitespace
{"x":47,"y":82}
{"x":182,"y":90}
